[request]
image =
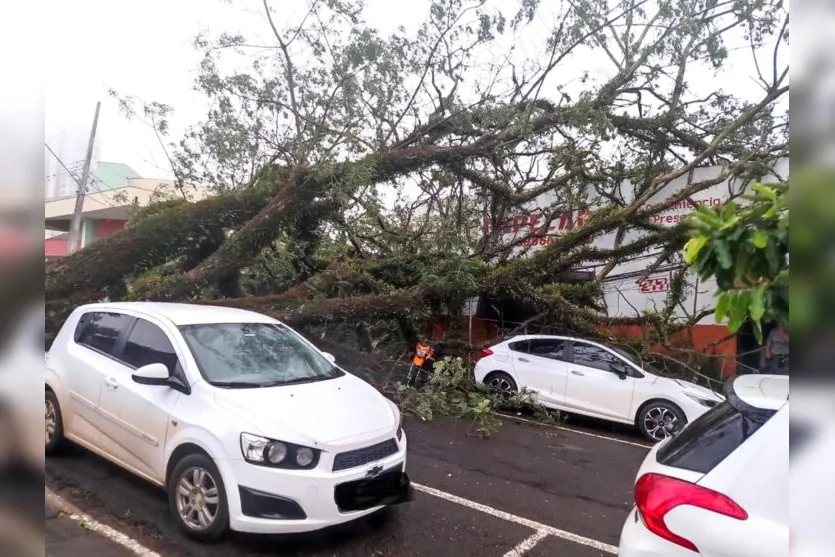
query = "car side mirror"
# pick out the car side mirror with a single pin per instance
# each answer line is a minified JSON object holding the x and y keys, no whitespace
{"x":151,"y":374}
{"x":157,"y":375}
{"x":619,"y":369}
{"x":329,"y":357}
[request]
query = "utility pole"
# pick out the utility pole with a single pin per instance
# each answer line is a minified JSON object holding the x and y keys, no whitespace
{"x":75,"y":225}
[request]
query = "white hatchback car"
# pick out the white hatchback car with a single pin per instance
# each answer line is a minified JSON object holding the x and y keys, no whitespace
{"x":590,"y":378}
{"x":245,"y":423}
{"x":720,"y":487}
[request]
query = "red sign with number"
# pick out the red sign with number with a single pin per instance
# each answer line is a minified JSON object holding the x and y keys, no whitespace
{"x":652,"y":285}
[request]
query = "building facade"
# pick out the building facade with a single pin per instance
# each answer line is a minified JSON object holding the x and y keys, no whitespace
{"x":113,"y":191}
{"x":627,"y":291}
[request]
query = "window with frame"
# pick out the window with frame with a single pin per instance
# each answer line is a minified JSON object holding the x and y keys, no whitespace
{"x":148,"y":344}
{"x":520,"y":346}
{"x":101,"y":330}
{"x":589,"y":355}
{"x":553,"y":349}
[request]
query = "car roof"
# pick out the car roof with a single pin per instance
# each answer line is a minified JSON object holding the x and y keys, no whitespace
{"x":769,"y":392}
{"x":183,"y":314}
{"x":531,"y":337}
{"x":517,"y":338}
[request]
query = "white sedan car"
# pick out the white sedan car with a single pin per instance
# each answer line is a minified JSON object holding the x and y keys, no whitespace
{"x":719,"y":488}
{"x":592,"y":379}
{"x":246,"y":424}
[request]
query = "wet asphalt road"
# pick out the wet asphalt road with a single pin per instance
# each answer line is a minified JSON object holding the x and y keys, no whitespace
{"x":562,"y":479}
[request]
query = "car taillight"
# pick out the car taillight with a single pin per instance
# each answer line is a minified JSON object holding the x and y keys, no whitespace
{"x":486,"y":352}
{"x":656,"y":495}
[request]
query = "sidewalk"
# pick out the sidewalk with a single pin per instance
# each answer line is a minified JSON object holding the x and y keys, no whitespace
{"x":69,"y":533}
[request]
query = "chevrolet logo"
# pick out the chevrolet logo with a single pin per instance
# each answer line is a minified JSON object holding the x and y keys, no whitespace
{"x":374,"y":472}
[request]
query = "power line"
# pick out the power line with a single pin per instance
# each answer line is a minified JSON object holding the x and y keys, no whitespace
{"x":64,"y":166}
{"x":76,"y":179}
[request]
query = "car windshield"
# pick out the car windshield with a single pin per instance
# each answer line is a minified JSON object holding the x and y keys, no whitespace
{"x":249,"y":355}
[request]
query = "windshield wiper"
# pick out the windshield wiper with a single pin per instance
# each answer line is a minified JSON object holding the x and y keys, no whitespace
{"x":300,"y":380}
{"x":238,"y":384}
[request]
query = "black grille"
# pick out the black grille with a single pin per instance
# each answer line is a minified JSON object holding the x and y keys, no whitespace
{"x":358,"y":457}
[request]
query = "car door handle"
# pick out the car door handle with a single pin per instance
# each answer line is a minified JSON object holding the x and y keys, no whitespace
{"x":523,"y":359}
{"x":575,"y":372}
{"x":112,"y":383}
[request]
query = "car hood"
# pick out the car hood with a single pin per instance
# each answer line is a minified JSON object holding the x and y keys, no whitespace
{"x":315,"y":414}
{"x":688,"y":387}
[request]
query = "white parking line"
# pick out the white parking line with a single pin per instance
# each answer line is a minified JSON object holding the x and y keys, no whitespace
{"x":86,"y":521}
{"x":541,"y":530}
{"x":527,"y":544}
{"x":578,"y":431}
{"x":550,"y":530}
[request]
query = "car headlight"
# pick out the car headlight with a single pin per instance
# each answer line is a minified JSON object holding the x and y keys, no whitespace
{"x":706,"y":402}
{"x":399,"y":426}
{"x":280,"y":454}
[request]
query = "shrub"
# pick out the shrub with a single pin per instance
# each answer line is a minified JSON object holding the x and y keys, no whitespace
{"x":452,"y":391}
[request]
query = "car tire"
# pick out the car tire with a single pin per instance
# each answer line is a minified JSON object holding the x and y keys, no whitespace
{"x":659,"y":419}
{"x":54,"y":424}
{"x":197,"y":498}
{"x":501,"y":384}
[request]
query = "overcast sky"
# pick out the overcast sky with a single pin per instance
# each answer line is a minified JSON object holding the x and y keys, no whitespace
{"x":144,"y":49}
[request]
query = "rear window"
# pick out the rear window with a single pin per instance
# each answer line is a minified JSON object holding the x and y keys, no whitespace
{"x":706,"y":442}
{"x":101,"y":330}
{"x":520,"y":346}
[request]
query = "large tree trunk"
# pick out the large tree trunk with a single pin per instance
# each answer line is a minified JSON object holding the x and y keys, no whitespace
{"x":351,"y":309}
{"x":338,"y":182}
{"x":151,"y":242}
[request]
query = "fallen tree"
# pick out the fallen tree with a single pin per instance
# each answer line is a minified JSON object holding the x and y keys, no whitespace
{"x":298,"y":227}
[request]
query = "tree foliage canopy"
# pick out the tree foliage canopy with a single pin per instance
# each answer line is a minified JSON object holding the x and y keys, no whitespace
{"x":362,"y":176}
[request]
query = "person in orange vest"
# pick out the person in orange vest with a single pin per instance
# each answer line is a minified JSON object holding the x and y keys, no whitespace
{"x":423,"y":353}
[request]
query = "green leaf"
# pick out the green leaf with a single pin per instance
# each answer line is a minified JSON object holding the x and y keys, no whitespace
{"x":722,"y":305}
{"x":730,"y":223}
{"x":724,"y":253}
{"x":737,"y":318}
{"x":707,"y":215}
{"x":693,"y":247}
{"x":728,"y":210}
{"x":743,"y":301}
{"x":756,"y":307}
{"x":738,"y":310}
{"x":765,"y":191}
{"x":773,"y":259}
{"x":760,"y":238}
{"x":758,"y":331}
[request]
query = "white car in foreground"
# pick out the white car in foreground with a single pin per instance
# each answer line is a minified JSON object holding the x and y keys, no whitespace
{"x":589,"y":378}
{"x":20,"y":411}
{"x":720,"y":487}
{"x":246,"y":424}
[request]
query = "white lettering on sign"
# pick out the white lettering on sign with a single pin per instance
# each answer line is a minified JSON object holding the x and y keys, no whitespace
{"x":651,"y":285}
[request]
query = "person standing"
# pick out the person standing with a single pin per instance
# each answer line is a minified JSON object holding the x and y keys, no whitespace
{"x":777,"y":351}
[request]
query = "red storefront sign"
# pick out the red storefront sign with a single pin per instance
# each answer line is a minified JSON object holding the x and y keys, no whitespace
{"x":539,"y":222}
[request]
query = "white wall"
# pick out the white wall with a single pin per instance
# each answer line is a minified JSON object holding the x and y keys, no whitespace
{"x":623,"y":295}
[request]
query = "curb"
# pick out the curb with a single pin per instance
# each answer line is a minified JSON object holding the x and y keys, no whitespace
{"x":106,"y":532}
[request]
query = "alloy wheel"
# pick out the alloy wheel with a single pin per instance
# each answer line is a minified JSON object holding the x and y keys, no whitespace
{"x":197,"y":498}
{"x":50,"y":420}
{"x":501,"y":387}
{"x":660,"y":422}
